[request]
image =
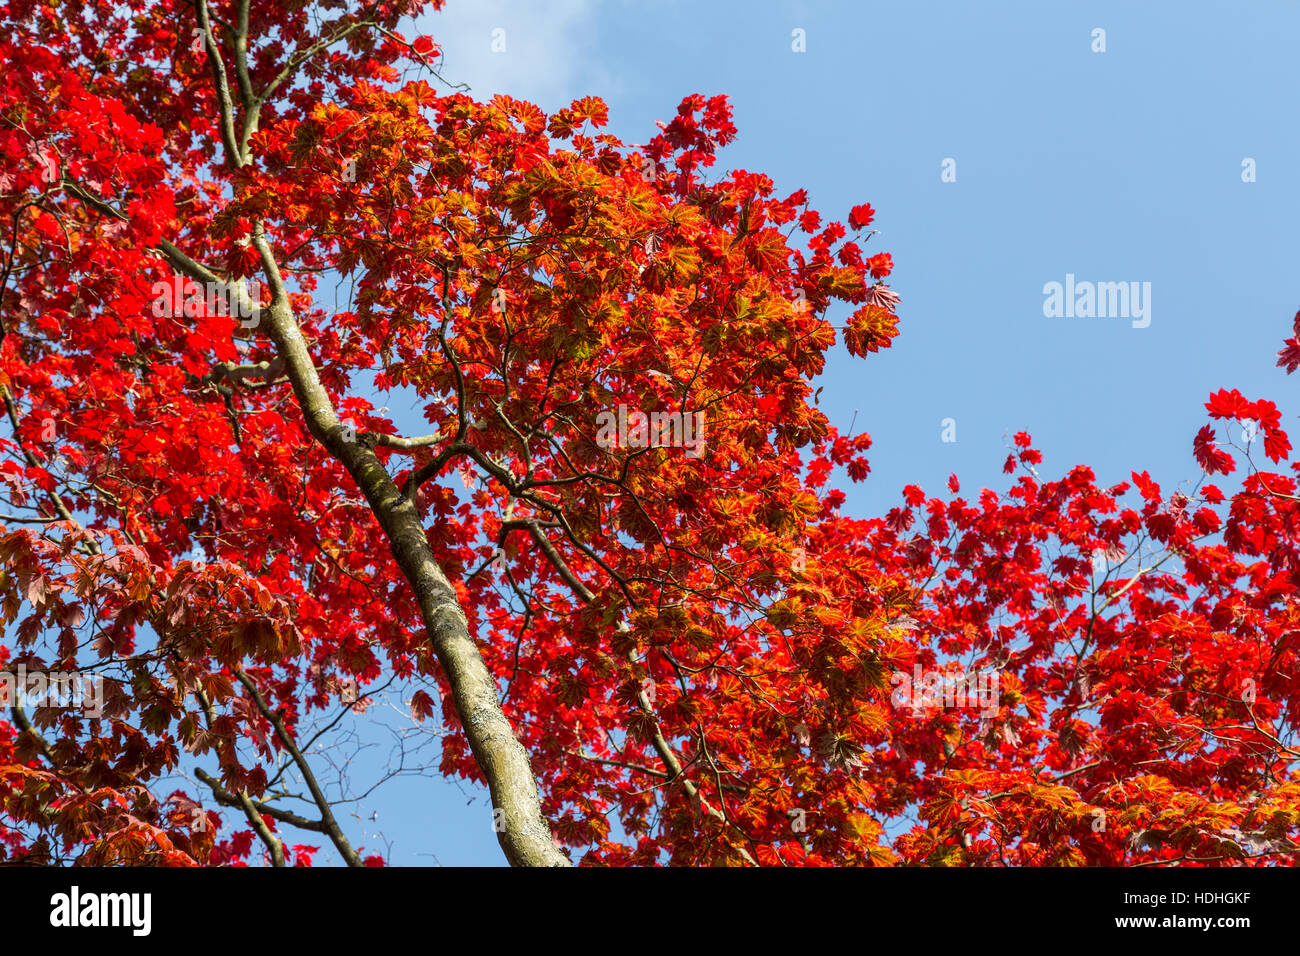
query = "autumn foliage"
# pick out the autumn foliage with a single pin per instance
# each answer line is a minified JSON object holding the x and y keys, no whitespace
{"x":703,"y":651}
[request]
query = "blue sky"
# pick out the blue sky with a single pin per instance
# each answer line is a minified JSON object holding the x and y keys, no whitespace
{"x":1116,"y":166}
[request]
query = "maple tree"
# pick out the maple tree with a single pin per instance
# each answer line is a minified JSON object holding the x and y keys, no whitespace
{"x":203,"y":509}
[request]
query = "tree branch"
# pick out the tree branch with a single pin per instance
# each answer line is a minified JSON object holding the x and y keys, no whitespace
{"x":332,"y":828}
{"x":228,"y":799}
{"x":275,"y":847}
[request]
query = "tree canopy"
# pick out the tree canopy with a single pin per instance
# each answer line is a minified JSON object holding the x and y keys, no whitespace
{"x":615,"y":567}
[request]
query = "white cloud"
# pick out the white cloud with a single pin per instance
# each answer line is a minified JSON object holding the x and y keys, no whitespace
{"x":548,"y":49}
